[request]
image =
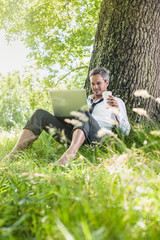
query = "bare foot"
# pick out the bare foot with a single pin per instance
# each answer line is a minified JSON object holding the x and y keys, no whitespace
{"x":65,"y":159}
{"x":13,"y":154}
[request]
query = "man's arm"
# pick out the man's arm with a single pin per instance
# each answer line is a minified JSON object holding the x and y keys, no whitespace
{"x":120,"y":114}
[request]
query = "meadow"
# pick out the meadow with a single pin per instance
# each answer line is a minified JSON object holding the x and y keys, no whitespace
{"x":111,"y":191}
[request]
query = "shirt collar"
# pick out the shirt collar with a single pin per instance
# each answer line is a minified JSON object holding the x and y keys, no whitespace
{"x":91,"y":99}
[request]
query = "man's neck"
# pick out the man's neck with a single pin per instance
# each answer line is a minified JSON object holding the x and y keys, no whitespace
{"x":97,"y":97}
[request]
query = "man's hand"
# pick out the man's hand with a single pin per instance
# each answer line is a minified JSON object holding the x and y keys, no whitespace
{"x":112,"y":101}
{"x":114,"y":104}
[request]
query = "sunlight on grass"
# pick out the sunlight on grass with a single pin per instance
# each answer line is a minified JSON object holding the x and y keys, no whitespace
{"x":109,"y":192}
{"x":7,"y":136}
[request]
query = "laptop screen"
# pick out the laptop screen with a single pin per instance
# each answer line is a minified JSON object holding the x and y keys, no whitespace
{"x":65,"y":101}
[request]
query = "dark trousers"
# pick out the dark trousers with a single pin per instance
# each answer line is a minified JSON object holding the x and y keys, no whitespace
{"x":60,"y":130}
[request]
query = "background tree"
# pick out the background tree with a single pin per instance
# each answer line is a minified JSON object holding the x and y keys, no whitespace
{"x":127,"y":43}
{"x":58,"y":33}
{"x":14,"y":105}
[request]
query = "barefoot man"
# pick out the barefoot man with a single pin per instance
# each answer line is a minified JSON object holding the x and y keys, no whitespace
{"x":98,"y":117}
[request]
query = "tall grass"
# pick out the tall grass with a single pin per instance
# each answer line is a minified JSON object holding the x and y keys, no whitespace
{"x":109,"y":192}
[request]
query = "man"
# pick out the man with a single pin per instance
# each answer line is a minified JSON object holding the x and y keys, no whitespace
{"x":100,"y":117}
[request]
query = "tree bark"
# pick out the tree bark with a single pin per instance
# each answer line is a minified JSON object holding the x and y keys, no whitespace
{"x":127,"y":43}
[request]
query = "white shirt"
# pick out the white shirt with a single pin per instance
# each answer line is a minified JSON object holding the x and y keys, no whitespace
{"x":106,"y":118}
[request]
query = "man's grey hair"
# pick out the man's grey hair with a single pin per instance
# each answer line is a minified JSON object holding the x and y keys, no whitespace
{"x":102,"y":71}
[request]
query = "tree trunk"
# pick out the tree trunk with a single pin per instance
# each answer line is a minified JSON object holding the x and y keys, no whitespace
{"x":127,"y":43}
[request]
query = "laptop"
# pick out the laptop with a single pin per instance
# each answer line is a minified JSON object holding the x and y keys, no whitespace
{"x":66,"y":101}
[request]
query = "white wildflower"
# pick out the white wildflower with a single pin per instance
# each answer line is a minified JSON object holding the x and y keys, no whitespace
{"x":74,"y":122}
{"x":44,"y":219}
{"x":142,"y":93}
{"x":158,"y":100}
{"x":140,"y":111}
{"x":145,"y":142}
{"x":80,"y":115}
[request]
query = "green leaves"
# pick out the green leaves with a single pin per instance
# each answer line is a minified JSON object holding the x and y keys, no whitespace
{"x":14,"y":106}
{"x":55,"y":31}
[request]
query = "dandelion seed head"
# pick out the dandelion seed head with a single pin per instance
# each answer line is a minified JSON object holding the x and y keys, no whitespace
{"x":158,"y":100}
{"x":140,"y":111}
{"x":112,"y":121}
{"x":80,"y":115}
{"x":102,"y":132}
{"x":74,"y":122}
{"x":155,"y":132}
{"x":51,"y":130}
{"x":142,"y":93}
{"x":114,"y":110}
{"x":63,"y":136}
{"x":84,"y":107}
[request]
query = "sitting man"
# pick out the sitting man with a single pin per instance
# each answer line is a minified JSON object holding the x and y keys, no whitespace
{"x":99,"y":117}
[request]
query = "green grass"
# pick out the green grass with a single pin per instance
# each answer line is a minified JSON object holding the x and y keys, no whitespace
{"x":109,"y":192}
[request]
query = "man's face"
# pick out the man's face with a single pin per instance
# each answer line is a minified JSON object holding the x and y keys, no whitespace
{"x":98,"y":85}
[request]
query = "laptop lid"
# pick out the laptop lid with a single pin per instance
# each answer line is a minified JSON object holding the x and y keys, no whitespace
{"x":65,"y":101}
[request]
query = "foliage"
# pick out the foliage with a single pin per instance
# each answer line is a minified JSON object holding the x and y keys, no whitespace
{"x":20,"y":96}
{"x":14,"y":107}
{"x":59,"y":33}
{"x":108,"y":192}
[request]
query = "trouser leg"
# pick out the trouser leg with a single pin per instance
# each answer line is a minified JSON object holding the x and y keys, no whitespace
{"x":43,"y":120}
{"x":39,"y":121}
{"x":90,"y":129}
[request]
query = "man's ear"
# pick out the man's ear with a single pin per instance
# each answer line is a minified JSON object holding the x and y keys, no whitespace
{"x":107,"y":83}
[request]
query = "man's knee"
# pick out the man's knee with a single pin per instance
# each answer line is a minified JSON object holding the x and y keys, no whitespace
{"x":39,"y":112}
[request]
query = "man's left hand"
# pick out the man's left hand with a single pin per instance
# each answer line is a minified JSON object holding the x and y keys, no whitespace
{"x":112,"y":101}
